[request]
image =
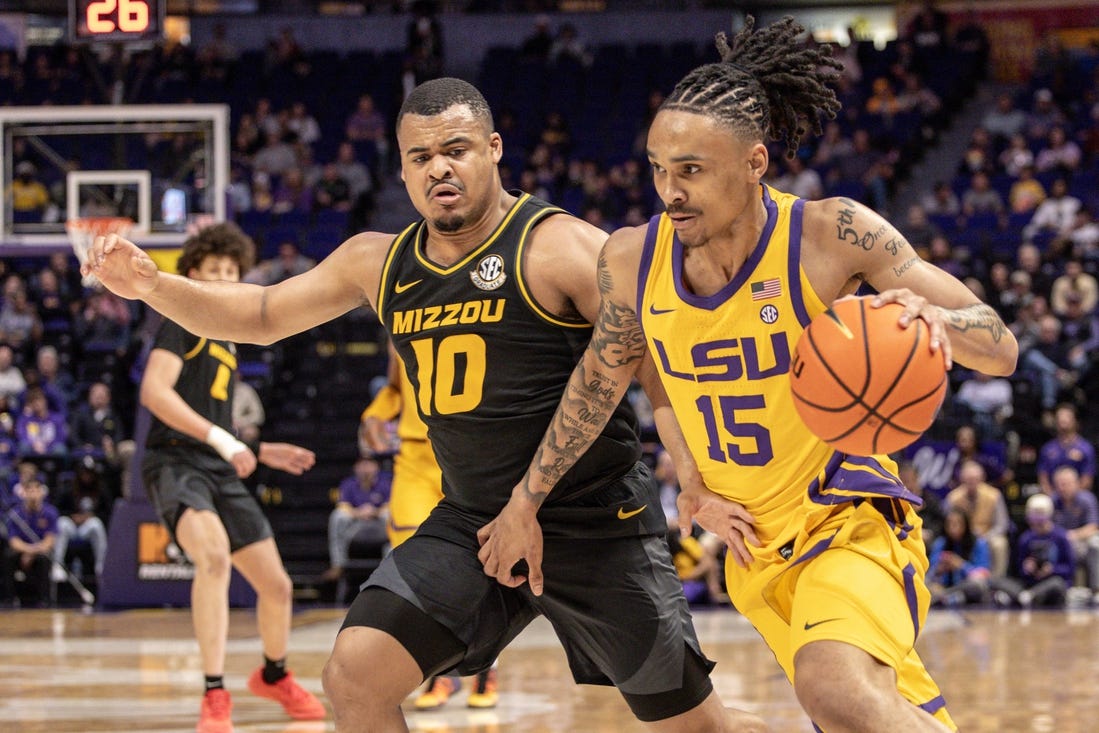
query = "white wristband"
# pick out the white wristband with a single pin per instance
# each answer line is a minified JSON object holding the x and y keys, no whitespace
{"x":224,"y":443}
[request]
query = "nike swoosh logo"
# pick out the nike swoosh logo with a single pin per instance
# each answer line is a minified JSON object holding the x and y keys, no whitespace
{"x":401,"y":287}
{"x":623,"y":514}
{"x":659,"y":311}
{"x":818,"y":623}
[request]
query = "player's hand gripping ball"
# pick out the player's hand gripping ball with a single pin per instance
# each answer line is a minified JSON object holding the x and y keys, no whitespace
{"x":863,"y":384}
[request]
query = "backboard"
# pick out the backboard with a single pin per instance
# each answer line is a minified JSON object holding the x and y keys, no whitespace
{"x":160,"y":165}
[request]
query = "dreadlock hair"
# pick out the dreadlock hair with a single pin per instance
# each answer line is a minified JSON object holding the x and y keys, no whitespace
{"x":766,"y":82}
{"x":438,"y":95}
{"x":225,"y":239}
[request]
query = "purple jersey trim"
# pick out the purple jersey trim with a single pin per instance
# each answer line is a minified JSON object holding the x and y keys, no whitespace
{"x":796,"y":296}
{"x":714,"y":301}
{"x":647,"y":251}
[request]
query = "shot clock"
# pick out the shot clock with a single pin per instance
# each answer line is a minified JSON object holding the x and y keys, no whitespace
{"x":116,"y":20}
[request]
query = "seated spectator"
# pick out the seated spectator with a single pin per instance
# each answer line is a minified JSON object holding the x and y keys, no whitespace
{"x":32,"y":532}
{"x":293,"y":193}
{"x":29,"y":197}
{"x":919,"y":230}
{"x":981,"y":197}
{"x":20,"y":325}
{"x":1043,"y":116}
{"x":1077,"y":512}
{"x":941,"y":201}
{"x":958,"y":563}
{"x":286,"y":264}
{"x":1004,"y":120}
{"x":1061,"y":154}
{"x":1029,"y":259}
{"x":1016,"y":156}
{"x":57,"y":383}
{"x":979,"y":156}
{"x":1046,"y":561}
{"x":360,"y":514}
{"x":83,"y":511}
{"x":882,"y":101}
{"x":1067,"y":448}
{"x":1026,"y":192}
{"x":40,"y":431}
{"x":947,"y":259}
{"x":1083,"y":237}
{"x":1074,"y":282}
{"x":331,"y":191}
{"x":278,"y":154}
{"x":96,"y":429}
{"x":1055,"y":214}
{"x":986,"y":510}
{"x":1046,"y":363}
{"x":988,"y":402}
{"x":366,"y":129}
{"x":104,"y":324}
{"x":303,"y":124}
{"x":800,"y":180}
{"x":12,"y":383}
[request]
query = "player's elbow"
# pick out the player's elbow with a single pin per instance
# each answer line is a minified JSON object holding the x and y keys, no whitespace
{"x":1004,"y":357}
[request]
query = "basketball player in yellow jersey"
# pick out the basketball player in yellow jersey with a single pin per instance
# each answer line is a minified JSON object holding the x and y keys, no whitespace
{"x":716,"y":292}
{"x":417,"y":488}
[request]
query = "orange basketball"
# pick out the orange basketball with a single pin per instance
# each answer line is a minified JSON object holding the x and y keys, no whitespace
{"x":863,"y":384}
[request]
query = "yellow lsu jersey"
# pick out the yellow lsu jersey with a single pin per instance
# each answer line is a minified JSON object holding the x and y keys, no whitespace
{"x":725,"y":360}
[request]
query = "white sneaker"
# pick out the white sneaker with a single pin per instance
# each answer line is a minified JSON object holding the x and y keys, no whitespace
{"x":57,"y":574}
{"x":1026,"y":599}
{"x":1077,"y":597}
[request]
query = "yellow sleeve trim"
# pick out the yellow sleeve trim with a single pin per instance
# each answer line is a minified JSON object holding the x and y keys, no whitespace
{"x":195,"y":351}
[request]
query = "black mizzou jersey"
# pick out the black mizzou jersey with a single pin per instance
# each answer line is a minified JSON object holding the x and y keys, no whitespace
{"x":489,"y":365}
{"x":205,"y":383}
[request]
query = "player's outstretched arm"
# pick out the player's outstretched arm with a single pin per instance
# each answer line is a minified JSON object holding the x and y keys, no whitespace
{"x":242,"y":312}
{"x":596,"y":387}
{"x":967,"y":330}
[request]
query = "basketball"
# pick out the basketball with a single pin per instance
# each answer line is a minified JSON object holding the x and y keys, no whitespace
{"x":863,"y":384}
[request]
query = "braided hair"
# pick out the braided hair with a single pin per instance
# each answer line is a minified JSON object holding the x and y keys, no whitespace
{"x":766,"y":83}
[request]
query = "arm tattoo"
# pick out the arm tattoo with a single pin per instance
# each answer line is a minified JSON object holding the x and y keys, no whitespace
{"x":846,"y":231}
{"x":594,"y":389}
{"x":978,"y":316}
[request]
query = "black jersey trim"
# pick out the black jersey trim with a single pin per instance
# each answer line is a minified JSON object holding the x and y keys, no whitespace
{"x":390,"y":258}
{"x":421,"y":256}
{"x":525,"y":293}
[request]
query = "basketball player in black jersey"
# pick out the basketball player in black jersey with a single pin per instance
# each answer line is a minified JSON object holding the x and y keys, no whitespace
{"x":193,"y":467}
{"x":489,"y":301}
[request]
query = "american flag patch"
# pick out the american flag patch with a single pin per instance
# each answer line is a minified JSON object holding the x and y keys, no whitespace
{"x":765,"y":289}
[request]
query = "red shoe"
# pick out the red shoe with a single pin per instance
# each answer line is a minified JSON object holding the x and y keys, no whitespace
{"x":216,"y":714}
{"x":298,"y":702}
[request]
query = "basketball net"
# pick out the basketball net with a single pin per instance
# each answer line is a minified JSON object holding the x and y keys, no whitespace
{"x":83,"y":231}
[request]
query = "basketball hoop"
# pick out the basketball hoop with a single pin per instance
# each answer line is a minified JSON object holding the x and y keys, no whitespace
{"x":83,"y":231}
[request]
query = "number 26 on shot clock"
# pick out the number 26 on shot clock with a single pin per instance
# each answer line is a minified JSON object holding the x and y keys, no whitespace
{"x":116,"y":20}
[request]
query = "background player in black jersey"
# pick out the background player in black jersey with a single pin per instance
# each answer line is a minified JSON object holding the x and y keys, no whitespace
{"x":193,"y":468}
{"x":489,"y":302}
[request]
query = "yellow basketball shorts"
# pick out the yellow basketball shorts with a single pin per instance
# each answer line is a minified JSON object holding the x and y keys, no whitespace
{"x":417,"y":488}
{"x":853,"y":578}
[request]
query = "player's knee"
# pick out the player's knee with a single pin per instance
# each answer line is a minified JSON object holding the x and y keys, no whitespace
{"x":212,"y":562}
{"x":354,"y":681}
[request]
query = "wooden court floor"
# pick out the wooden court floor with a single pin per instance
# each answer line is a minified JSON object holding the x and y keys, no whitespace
{"x":138,"y":671}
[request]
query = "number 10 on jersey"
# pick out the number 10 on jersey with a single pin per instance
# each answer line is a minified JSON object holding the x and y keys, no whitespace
{"x":450,"y":373}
